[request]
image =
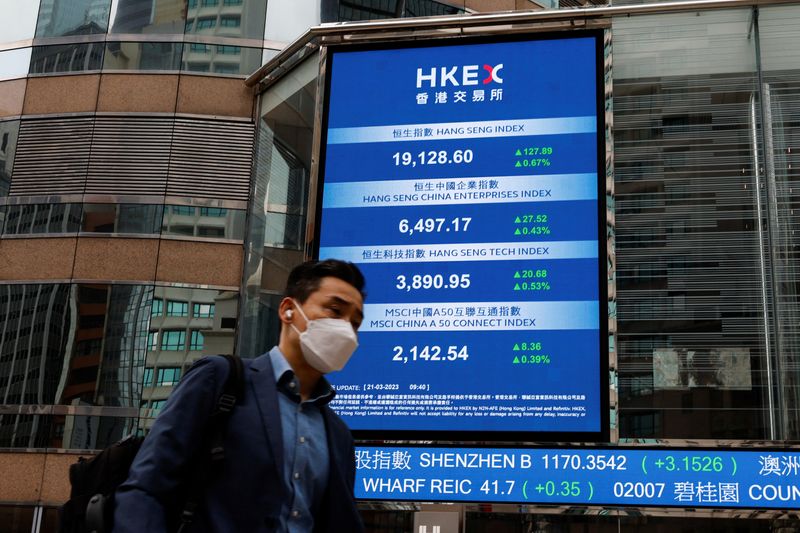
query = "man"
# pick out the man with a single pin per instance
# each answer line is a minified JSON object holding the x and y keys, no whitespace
{"x":289,"y":461}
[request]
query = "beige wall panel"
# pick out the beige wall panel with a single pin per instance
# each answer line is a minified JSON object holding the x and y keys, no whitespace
{"x":12,"y":96}
{"x":485,"y":6}
{"x":55,"y":485}
{"x":138,"y":93}
{"x":116,"y":258}
{"x":35,"y":259}
{"x":200,"y":262}
{"x":203,"y":95}
{"x":524,"y":5}
{"x":61,"y":94}
{"x":22,"y":476}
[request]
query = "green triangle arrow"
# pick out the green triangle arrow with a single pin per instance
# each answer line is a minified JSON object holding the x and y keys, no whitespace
{"x":516,"y":287}
{"x":516,"y":347}
{"x":516,"y":360}
{"x":516,"y":275}
{"x":518,"y":164}
{"x":517,"y":220}
{"x":518,"y":153}
{"x":517,"y":232}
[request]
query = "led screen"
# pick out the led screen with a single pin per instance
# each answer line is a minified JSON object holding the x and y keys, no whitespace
{"x":465,"y":181}
{"x":750,"y":479}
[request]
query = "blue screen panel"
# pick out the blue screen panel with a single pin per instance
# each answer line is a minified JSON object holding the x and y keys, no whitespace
{"x":464,"y":180}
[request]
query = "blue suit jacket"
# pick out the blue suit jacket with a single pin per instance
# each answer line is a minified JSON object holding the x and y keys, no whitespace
{"x":246,"y":495}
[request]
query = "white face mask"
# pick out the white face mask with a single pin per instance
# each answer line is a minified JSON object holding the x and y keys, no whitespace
{"x":327,"y":343}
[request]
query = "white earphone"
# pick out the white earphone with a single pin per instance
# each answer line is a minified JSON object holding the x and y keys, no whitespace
{"x":289,"y":313}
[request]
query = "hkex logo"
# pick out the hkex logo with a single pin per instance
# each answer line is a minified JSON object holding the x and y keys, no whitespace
{"x":458,"y":76}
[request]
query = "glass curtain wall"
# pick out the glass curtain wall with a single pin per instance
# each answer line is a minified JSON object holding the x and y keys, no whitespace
{"x":277,"y":221}
{"x":692,"y":341}
{"x":68,"y":349}
{"x":706,"y":114}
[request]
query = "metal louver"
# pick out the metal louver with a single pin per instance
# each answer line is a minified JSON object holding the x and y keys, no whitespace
{"x":133,"y":155}
{"x":52,"y":156}
{"x":211,"y":159}
{"x":130,"y":155}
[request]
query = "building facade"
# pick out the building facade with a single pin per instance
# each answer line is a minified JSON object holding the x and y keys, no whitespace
{"x":152,"y":204}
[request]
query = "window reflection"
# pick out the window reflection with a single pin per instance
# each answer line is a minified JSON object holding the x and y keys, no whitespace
{"x":121,"y":218}
{"x":145,"y":219}
{"x":17,"y":519}
{"x":148,"y":16}
{"x":58,"y":18}
{"x":229,"y":18}
{"x":42,"y":218}
{"x":178,"y":338}
{"x":90,"y":345}
{"x":211,"y":222}
{"x":142,"y":56}
{"x":8,"y":146}
{"x":221,"y":59}
{"x":56,"y":59}
{"x":351,"y":10}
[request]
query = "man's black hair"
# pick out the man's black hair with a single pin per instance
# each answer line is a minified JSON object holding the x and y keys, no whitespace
{"x":306,"y":278}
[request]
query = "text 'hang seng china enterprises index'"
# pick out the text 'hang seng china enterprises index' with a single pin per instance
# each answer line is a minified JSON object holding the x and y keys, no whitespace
{"x":463,"y":181}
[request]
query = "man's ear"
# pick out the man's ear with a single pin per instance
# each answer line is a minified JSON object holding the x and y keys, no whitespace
{"x":286,"y":311}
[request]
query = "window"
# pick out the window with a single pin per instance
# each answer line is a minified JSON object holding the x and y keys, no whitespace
{"x":88,"y":347}
{"x":188,"y":26}
{"x":203,"y":310}
{"x":176,"y":308}
{"x":206,"y":231}
{"x":230,"y":21}
{"x":177,"y":229}
{"x":204,"y":24}
{"x":148,"y":377}
{"x":158,"y":307}
{"x":202,"y":48}
{"x":215,"y":211}
{"x":230,"y":50}
{"x":197,"y":341}
{"x":183,"y":209}
{"x":221,"y":68}
{"x":198,"y":67}
{"x":168,"y":376}
{"x":157,"y":405}
{"x":152,"y":341}
{"x":209,"y":3}
{"x":232,"y":2}
{"x":192,"y":4}
{"x":173,"y":341}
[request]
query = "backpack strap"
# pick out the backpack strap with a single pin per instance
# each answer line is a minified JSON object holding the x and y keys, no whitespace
{"x":232,"y":393}
{"x":211,"y":460}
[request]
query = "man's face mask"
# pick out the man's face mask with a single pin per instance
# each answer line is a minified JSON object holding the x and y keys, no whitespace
{"x":327,"y":343}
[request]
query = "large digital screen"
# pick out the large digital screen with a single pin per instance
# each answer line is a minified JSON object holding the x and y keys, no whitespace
{"x":466,"y":181}
{"x":749,"y":479}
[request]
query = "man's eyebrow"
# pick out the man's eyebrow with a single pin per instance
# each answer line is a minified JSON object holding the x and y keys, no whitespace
{"x":340,"y":300}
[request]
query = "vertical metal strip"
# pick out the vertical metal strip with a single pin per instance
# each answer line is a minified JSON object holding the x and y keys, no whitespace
{"x":775,"y":382}
{"x":762,"y":270}
{"x":613,"y":374}
{"x":316,"y":154}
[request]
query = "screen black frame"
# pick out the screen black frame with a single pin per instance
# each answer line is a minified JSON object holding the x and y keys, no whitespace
{"x":458,"y":436}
